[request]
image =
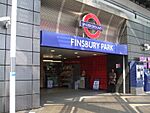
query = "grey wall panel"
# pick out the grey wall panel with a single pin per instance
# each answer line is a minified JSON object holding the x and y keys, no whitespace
{"x":36,"y":86}
{"x":37,"y":5}
{"x":136,"y":26}
{"x":36,"y":58}
{"x":1,"y":104}
{"x":132,"y":55}
{"x":6,"y":104}
{"x":22,"y":43}
{"x":23,"y":87}
{"x":2,"y":41}
{"x":7,"y":57}
{"x":7,"y":71}
{"x":23,"y":29}
{"x":36,"y":45}
{"x":8,"y":42}
{"x":36,"y":72}
{"x":37,"y":18}
{"x":27,"y":4}
{"x":135,"y":33}
{"x":23,"y":102}
{"x":134,"y":40}
{"x":2,"y":56}
{"x":23,"y":15}
{"x":146,"y":29}
{"x":1,"y":72}
{"x":36,"y":32}
{"x":22,"y":72}
{"x":36,"y":100}
{"x":22,"y":58}
{"x":2,"y":10}
{"x":2,"y":13}
{"x":135,"y":48}
{"x":147,"y":36}
{"x":6,"y":88}
{"x":2,"y":93}
{"x":3,"y":1}
{"x":2,"y":30}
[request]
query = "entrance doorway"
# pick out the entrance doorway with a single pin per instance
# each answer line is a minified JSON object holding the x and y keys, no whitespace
{"x":69,"y":68}
{"x":72,"y":69}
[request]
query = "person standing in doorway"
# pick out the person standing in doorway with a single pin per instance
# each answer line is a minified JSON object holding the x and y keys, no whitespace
{"x":112,"y":81}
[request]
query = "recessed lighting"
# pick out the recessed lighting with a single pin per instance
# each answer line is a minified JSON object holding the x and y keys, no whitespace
{"x":48,"y":56}
{"x":59,"y":55}
{"x":75,"y":53}
{"x":52,"y":50}
{"x":45,"y":56}
{"x":52,"y":61}
{"x":94,"y":54}
{"x":78,"y":56}
{"x":51,"y":56}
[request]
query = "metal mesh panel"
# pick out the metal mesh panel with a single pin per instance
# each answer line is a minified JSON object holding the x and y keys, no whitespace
{"x":66,"y":20}
{"x":49,"y":14}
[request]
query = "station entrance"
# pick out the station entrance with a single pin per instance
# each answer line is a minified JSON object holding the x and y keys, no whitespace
{"x":73,"y":69}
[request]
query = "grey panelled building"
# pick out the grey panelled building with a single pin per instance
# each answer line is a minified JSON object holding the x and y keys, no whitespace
{"x":135,"y":32}
{"x":27,"y":57}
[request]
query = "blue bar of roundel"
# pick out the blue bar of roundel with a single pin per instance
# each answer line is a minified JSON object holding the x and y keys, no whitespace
{"x":52,"y":39}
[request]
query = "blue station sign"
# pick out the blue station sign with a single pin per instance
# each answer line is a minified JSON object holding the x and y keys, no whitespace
{"x":52,"y":39}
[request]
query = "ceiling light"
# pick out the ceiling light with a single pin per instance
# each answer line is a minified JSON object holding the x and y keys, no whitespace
{"x":65,"y":58}
{"x":47,"y":56}
{"x":51,"y":56}
{"x":59,"y":55}
{"x":52,"y":61}
{"x":78,"y":56}
{"x":75,"y":53}
{"x":52,"y":50}
{"x":94,"y":54}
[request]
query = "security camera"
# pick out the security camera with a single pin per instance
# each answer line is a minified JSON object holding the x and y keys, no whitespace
{"x":5,"y":22}
{"x":146,"y":47}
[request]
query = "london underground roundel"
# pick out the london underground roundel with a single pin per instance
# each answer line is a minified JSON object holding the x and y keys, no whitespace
{"x":88,"y":25}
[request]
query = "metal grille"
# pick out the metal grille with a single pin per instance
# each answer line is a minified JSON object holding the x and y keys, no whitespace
{"x":63,"y":16}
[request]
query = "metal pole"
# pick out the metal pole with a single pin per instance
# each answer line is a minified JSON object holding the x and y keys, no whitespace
{"x":124,"y":76}
{"x":13,"y":57}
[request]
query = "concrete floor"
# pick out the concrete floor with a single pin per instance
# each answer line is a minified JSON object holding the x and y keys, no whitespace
{"x":87,"y":101}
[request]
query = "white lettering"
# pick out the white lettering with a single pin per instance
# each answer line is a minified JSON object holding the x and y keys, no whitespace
{"x":86,"y":44}
{"x":79,"y":43}
{"x":107,"y":47}
{"x":83,"y":44}
{"x":72,"y":41}
{"x":91,"y":44}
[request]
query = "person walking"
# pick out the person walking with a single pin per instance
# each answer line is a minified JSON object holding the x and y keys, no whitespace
{"x":112,"y":81}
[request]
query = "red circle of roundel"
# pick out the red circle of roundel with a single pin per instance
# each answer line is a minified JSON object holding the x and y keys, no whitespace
{"x":86,"y":19}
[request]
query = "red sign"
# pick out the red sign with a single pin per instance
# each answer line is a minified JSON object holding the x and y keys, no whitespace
{"x":88,"y":25}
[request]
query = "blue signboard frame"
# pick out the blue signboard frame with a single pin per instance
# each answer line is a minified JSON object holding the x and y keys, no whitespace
{"x":52,"y":39}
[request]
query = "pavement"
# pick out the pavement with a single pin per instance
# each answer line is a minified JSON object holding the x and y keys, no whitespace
{"x":88,"y":101}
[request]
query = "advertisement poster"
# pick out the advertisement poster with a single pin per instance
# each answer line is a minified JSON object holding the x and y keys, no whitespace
{"x":140,"y":75}
{"x":96,"y":85}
